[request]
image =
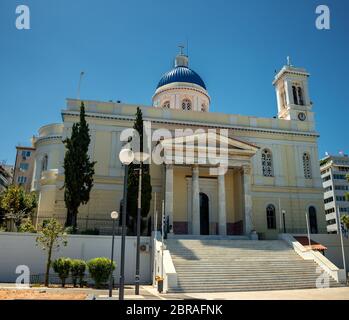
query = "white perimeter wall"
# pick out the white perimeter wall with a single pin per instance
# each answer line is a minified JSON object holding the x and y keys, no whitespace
{"x":20,"y":249}
{"x":334,"y":249}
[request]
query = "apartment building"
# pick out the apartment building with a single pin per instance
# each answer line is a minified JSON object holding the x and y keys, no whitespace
{"x":24,"y":166}
{"x":334,"y":171}
{"x":6,"y":175}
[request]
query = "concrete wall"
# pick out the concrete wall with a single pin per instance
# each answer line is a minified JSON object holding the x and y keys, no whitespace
{"x":333,"y":244}
{"x":20,"y":249}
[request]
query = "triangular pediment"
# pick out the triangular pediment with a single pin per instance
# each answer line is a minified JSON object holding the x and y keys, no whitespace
{"x":210,"y":139}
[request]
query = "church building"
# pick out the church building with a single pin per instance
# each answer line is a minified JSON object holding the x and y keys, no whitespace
{"x":270,"y":183}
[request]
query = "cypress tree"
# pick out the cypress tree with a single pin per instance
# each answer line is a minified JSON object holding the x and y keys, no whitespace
{"x":133,"y":178}
{"x":78,"y":169}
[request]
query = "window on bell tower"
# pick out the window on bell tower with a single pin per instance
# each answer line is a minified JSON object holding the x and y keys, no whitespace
{"x":295,"y":98}
{"x":300,"y":96}
{"x":297,"y":92}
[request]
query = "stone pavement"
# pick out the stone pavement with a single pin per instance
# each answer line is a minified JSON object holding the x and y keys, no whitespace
{"x":150,"y":293}
{"x":341,"y":293}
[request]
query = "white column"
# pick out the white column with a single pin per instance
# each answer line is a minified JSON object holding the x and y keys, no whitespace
{"x":169,"y":195}
{"x":246,"y":180}
{"x":222,"y":215}
{"x":195,"y":200}
{"x":37,"y":172}
{"x":289,"y":93}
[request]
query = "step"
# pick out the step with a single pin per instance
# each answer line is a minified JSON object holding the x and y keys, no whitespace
{"x":202,"y":275}
{"x":240,"y":265}
{"x":254,"y":285}
{"x":241,"y":289}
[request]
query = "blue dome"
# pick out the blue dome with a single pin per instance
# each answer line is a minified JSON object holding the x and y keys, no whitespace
{"x":181,"y":74}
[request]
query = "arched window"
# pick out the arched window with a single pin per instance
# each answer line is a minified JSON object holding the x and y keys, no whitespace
{"x":300,"y":96}
{"x":306,"y":166}
{"x":271,"y":218}
{"x":186,"y":104}
{"x":312,"y":220}
{"x":203,"y":107}
{"x":267,"y":163}
{"x":44,"y":163}
{"x":166,"y":105}
{"x":295,"y":98}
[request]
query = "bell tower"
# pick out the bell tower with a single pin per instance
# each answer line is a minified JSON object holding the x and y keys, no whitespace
{"x":292,"y":94}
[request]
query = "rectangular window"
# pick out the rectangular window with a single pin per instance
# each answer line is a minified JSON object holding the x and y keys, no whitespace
{"x":344,"y":188}
{"x":324,"y":179}
{"x":22,"y":179}
{"x":340,"y":198}
{"x":328,"y":200}
{"x":26,"y":154}
{"x":339,"y":176}
{"x":330,"y":222}
{"x":330,"y":210}
{"x":24,"y":166}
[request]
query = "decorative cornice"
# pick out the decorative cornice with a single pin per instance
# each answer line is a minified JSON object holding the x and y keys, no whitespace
{"x":193,"y":123}
{"x":185,"y":88}
{"x":48,"y":138}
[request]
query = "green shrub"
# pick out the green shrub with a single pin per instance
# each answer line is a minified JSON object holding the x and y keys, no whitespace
{"x":77,"y":269}
{"x":62,"y":266}
{"x":100,"y":269}
{"x":3,"y":228}
{"x":27,"y":226}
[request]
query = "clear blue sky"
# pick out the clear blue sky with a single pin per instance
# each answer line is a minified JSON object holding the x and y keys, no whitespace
{"x":125,"y":46}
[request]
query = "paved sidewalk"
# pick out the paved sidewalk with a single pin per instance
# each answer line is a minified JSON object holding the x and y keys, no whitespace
{"x":306,"y":294}
{"x":150,"y":293}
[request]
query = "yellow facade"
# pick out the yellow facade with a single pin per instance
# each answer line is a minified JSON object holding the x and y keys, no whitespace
{"x":291,"y":188}
{"x":286,"y":187}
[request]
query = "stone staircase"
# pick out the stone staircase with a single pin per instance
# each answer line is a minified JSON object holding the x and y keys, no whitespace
{"x":206,"y":265}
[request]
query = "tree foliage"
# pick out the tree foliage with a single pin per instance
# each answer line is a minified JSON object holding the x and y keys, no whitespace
{"x":51,"y":237}
{"x":133,"y":178}
{"x":27,"y":226}
{"x":17,"y":204}
{"x":345,"y":220}
{"x":78,"y":169}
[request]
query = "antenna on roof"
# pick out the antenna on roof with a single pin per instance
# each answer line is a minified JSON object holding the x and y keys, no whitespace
{"x":80,"y":79}
{"x":288,"y":61}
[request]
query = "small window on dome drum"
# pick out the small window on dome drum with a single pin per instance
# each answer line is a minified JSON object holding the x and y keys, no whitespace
{"x":203,"y":107}
{"x":166,"y":105}
{"x":186,"y":104}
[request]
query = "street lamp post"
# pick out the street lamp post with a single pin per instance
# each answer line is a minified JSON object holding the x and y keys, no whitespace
{"x":114,"y":215}
{"x":284,"y":219}
{"x":126,"y":156}
{"x":141,"y":157}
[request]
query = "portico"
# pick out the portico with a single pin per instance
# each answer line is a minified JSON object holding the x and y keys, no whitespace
{"x":199,"y":200}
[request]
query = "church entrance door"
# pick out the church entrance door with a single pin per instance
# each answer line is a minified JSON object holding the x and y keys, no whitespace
{"x":204,"y":214}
